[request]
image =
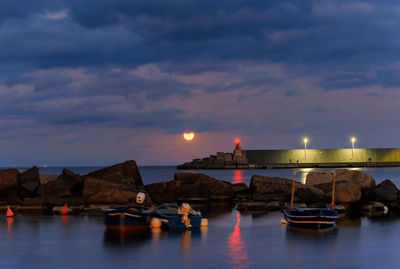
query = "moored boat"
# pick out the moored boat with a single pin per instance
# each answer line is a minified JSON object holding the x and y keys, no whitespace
{"x":322,"y":216}
{"x":128,"y":218}
{"x":174,"y":217}
{"x":316,"y":218}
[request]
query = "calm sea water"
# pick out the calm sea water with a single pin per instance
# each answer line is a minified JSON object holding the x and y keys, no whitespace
{"x":232,"y":240}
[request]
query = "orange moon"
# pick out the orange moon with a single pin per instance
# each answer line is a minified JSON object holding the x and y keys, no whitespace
{"x":188,"y":136}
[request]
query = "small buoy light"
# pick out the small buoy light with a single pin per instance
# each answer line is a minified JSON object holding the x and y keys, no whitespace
{"x":9,"y":212}
{"x":204,"y":222}
{"x":64,"y":210}
{"x":155,"y":223}
{"x":284,"y":222}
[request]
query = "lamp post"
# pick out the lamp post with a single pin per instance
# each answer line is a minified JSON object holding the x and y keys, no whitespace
{"x":353,"y":139}
{"x":305,"y":140}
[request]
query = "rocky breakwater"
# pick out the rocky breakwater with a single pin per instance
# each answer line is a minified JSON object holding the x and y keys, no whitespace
{"x":191,"y":187}
{"x":355,"y":191}
{"x":30,"y":191}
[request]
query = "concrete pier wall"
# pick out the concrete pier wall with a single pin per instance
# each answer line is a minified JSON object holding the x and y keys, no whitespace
{"x":294,"y":156}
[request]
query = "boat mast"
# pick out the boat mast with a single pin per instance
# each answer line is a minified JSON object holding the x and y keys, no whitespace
{"x":292,"y":198}
{"x":333,"y":190}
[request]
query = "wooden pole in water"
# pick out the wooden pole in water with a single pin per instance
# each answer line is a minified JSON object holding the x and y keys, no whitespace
{"x":292,"y":198}
{"x":333,"y":190}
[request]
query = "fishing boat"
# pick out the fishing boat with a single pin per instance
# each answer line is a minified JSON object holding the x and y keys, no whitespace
{"x":135,"y":218}
{"x":174,"y":217}
{"x":319,"y":217}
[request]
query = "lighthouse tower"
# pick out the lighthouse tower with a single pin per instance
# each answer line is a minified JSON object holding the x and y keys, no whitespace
{"x":239,"y":156}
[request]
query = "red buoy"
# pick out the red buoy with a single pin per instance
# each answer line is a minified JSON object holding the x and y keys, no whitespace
{"x":10,"y":214}
{"x":64,"y":210}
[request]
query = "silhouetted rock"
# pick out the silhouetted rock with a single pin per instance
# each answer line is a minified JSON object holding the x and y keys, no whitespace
{"x":45,"y":178}
{"x":31,"y":174}
{"x":217,"y":189}
{"x":163,"y":192}
{"x":324,"y":179}
{"x":57,"y":188}
{"x":274,"y":188}
{"x":72,"y":180}
{"x":8,"y":180}
{"x":311,"y":194}
{"x":193,"y":192}
{"x":126,"y":173}
{"x":97,"y":191}
{"x":240,"y":187}
{"x":347,"y":193}
{"x":30,"y":186}
{"x":34,"y":201}
{"x":386,"y":191}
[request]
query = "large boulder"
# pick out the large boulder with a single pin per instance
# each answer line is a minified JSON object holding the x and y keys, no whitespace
{"x":8,"y":180}
{"x":365,"y":181}
{"x":386,"y":191}
{"x":317,"y":178}
{"x":324,"y":179}
{"x":217,"y":189}
{"x":57,"y":188}
{"x":347,"y":193}
{"x":240,"y":187}
{"x":163,"y":192}
{"x":266,"y":188}
{"x":31,"y":174}
{"x":45,"y":178}
{"x":311,"y":194}
{"x":193,"y":192}
{"x":126,"y":173}
{"x":100,"y":191}
{"x":72,"y":180}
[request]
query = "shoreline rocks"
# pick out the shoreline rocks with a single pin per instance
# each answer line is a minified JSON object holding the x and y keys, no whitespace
{"x":31,"y":191}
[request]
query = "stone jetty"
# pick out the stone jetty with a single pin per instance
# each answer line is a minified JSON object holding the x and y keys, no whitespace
{"x":33,"y":192}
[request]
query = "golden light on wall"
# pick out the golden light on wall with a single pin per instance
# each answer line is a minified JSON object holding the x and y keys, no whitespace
{"x":188,"y":136}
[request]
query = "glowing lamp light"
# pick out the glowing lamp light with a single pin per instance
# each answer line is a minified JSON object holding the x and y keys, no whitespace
{"x":188,"y":136}
{"x":237,"y":141}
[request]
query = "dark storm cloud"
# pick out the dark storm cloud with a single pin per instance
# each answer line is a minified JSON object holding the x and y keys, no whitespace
{"x":136,"y":32}
{"x":209,"y":66}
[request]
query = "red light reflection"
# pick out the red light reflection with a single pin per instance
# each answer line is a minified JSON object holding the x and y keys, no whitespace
{"x":236,"y":247}
{"x":237,"y":176}
{"x":9,"y":225}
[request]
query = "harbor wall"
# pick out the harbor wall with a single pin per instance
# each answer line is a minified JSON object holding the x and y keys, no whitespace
{"x":301,"y":156}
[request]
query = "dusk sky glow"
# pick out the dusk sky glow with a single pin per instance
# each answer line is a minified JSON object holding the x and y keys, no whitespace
{"x":98,"y":82}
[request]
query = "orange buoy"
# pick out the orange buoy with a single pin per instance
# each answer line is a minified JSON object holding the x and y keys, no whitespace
{"x":9,"y":212}
{"x":64,"y":210}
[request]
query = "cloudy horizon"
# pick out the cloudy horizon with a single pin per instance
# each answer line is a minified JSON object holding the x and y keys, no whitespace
{"x":98,"y":82}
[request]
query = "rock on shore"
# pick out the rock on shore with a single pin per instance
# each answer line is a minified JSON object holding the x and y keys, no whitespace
{"x":118,"y":184}
{"x":188,"y":186}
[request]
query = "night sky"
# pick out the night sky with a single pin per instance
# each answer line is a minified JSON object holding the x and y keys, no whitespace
{"x":97,"y":82}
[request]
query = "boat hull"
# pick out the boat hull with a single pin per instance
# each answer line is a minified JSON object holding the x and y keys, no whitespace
{"x":314,"y":218}
{"x":170,"y":219}
{"x":126,"y":220}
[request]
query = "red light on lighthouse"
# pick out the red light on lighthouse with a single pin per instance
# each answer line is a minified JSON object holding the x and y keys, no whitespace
{"x":237,"y":143}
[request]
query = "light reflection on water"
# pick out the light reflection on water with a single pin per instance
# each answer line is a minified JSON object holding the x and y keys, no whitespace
{"x":232,"y":240}
{"x":236,"y":248}
{"x":237,"y":176}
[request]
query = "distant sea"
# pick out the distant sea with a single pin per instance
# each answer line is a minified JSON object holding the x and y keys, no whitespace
{"x":153,"y":174}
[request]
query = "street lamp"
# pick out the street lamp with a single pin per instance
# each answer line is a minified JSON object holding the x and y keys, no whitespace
{"x":305,"y":140}
{"x":353,"y":139}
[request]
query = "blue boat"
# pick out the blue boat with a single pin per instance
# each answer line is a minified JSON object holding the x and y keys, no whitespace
{"x":315,"y":218}
{"x":133,"y":218}
{"x":173,"y":217}
{"x":320,"y":217}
